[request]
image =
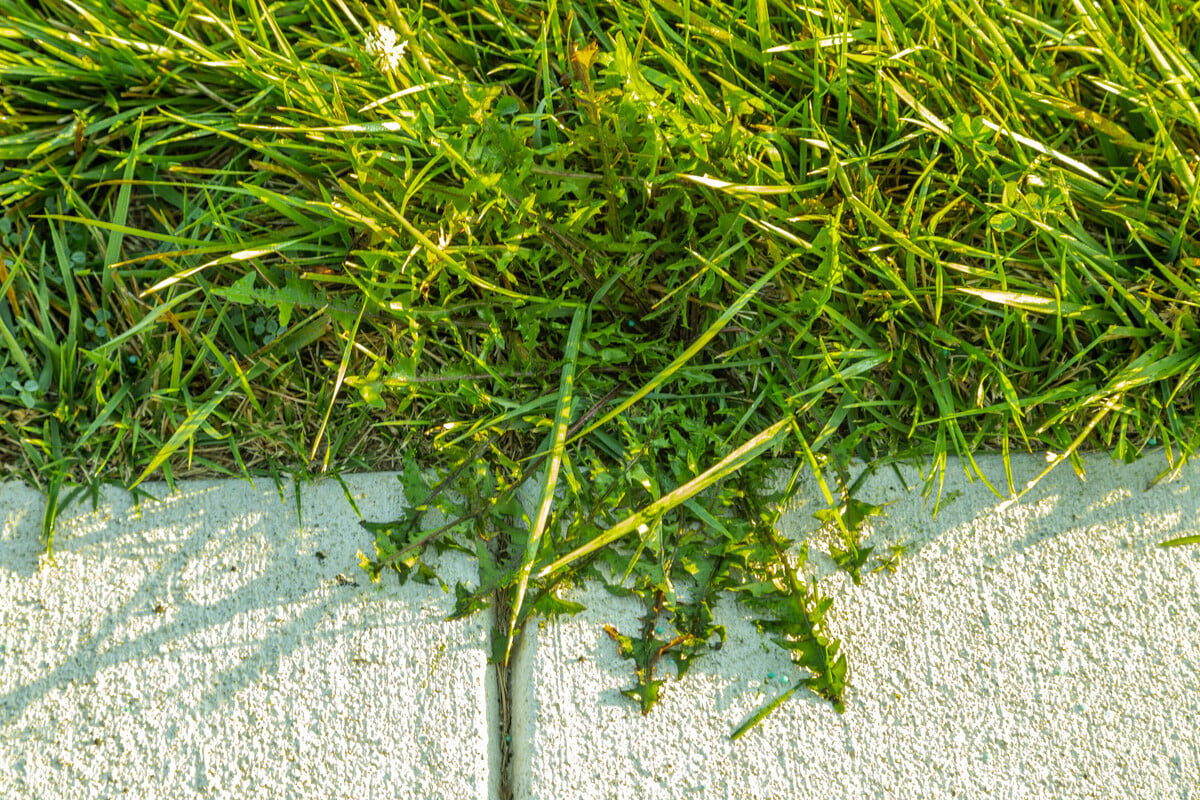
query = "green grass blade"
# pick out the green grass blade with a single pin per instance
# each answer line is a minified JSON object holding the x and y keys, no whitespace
{"x":687,"y":355}
{"x":645,"y":517}
{"x":763,"y":713}
{"x":112,"y":253}
{"x":1180,"y":541}
{"x":558,"y":437}
{"x":184,"y":433}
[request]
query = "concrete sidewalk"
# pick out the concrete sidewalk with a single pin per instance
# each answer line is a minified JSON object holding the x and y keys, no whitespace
{"x":1047,"y":650}
{"x":209,"y":646}
{"x":212,"y":646}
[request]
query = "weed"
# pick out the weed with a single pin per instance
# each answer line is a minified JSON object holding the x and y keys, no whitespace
{"x":630,"y":253}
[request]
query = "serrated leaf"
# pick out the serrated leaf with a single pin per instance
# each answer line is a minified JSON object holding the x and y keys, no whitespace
{"x":856,"y":512}
{"x":426,"y":575}
{"x":758,"y":589}
{"x":624,"y":643}
{"x":808,"y":653}
{"x":549,"y":605}
{"x":646,"y":694}
{"x":685,"y":654}
{"x":416,"y":488}
{"x":384,"y":546}
{"x":851,"y":561}
{"x":467,"y":601}
{"x":370,"y":567}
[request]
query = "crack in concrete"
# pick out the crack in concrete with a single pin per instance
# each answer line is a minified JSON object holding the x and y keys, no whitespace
{"x":502,"y":731}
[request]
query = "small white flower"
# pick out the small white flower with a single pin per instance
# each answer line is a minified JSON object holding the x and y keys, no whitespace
{"x":386,"y":47}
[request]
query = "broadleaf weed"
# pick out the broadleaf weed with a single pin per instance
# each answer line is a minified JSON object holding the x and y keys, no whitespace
{"x":830,"y":234}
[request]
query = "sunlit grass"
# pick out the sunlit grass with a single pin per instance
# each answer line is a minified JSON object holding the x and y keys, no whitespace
{"x":245,"y":239}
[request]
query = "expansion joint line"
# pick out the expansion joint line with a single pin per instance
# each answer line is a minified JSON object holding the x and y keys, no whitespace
{"x":501,"y":608}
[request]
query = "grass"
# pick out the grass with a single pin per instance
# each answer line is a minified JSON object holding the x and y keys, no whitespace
{"x":627,"y":253}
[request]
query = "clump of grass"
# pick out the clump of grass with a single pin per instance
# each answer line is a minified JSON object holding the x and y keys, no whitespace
{"x":630,"y":252}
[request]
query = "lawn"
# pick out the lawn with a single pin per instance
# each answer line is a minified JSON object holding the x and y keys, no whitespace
{"x":630,"y":256}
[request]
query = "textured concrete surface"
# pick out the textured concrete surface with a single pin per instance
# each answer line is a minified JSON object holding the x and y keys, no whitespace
{"x":209,"y":645}
{"x":198,"y":646}
{"x":1048,"y":649}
